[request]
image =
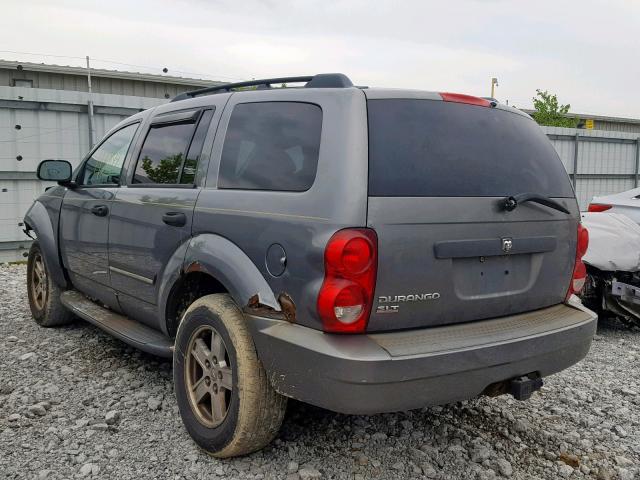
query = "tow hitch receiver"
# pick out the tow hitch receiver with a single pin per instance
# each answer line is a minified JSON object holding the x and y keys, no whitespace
{"x":523,"y":387}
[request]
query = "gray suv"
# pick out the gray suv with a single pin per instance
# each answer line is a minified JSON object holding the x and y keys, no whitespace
{"x":363,"y":250}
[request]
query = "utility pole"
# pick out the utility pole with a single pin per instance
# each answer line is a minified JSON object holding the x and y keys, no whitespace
{"x":90,"y":105}
{"x":494,"y":84}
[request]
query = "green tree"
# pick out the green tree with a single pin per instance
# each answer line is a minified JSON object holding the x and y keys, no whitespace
{"x":549,"y":112}
{"x":166,"y":171}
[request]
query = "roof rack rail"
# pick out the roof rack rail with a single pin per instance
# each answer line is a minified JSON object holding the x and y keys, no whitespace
{"x":321,"y":80}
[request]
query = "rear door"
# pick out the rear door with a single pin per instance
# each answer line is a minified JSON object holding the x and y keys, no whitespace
{"x":439,"y":173}
{"x":151,"y":216}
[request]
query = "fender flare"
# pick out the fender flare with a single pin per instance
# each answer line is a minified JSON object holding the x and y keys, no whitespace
{"x":227,"y":263}
{"x":172,"y":273}
{"x":39,"y":221}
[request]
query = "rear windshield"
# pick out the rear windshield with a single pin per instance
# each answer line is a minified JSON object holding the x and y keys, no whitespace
{"x":425,"y":148}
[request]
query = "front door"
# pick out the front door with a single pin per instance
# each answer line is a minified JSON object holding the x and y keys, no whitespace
{"x":84,"y":220}
{"x":151,"y":216}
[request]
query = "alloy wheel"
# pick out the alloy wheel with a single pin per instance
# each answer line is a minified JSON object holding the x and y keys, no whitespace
{"x":208,"y":376}
{"x":39,"y":284}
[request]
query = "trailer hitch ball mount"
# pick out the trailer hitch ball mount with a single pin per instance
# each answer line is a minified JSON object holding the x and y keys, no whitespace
{"x":523,"y":387}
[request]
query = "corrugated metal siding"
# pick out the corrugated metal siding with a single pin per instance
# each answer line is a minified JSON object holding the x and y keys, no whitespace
{"x":603,"y":167}
{"x":42,"y":135}
{"x":617,"y":126}
{"x":600,"y":122}
{"x":587,"y":188}
{"x":16,"y":196}
{"x":565,"y":149}
{"x":45,"y":134}
{"x":99,"y":84}
{"x":55,"y":134}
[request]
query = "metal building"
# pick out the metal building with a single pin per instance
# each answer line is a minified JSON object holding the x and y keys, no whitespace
{"x":601,"y":122}
{"x":599,"y":162}
{"x":610,"y":124}
{"x":60,"y":77}
{"x":44,"y":114}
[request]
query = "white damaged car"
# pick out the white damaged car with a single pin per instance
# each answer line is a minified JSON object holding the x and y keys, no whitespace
{"x":626,"y":203}
{"x":612,"y":285}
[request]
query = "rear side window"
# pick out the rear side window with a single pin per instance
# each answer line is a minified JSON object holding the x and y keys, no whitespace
{"x":170,"y":152}
{"x":434,"y":148}
{"x":271,"y":146}
{"x":195,"y":149}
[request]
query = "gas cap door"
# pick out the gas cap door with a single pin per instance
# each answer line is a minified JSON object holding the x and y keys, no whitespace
{"x":276,"y":260}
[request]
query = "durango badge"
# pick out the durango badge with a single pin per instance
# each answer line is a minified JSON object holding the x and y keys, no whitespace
{"x":386,"y":300}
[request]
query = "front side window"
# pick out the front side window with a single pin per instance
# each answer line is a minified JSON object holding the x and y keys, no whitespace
{"x":271,"y":146}
{"x":105,"y":164}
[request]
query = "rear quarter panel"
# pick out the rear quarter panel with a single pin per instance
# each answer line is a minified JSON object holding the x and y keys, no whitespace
{"x":301,"y":222}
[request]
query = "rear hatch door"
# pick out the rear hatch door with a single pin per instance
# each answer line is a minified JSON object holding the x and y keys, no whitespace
{"x":448,"y":251}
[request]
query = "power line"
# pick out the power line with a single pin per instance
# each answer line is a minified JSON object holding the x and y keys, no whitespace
{"x":171,"y":70}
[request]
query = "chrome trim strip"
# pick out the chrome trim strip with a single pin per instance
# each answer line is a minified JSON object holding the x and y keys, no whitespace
{"x":251,"y":212}
{"x":148,"y":281}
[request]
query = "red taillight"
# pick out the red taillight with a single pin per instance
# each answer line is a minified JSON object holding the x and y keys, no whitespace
{"x":583,"y":241}
{"x":579,"y":270}
{"x":346,"y":294}
{"x":468,"y":99}
{"x":598,"y":207}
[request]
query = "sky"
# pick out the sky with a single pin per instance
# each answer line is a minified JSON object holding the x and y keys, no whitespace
{"x":586,"y":52}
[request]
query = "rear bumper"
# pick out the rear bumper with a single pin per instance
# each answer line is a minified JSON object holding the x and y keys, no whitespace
{"x":364,"y":374}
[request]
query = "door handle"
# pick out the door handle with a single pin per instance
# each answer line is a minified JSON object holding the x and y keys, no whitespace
{"x":175,"y":219}
{"x":100,"y":210}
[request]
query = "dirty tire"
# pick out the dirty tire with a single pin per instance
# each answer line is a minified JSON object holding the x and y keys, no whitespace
{"x":254,"y":411}
{"x":44,"y":295}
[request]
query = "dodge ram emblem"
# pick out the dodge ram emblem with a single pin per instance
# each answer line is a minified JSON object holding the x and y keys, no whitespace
{"x":507,"y":245}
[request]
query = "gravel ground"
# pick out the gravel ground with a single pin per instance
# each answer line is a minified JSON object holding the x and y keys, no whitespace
{"x":75,"y":402}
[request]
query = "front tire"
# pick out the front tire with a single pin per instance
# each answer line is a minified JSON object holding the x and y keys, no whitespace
{"x":44,"y":295}
{"x":224,"y":396}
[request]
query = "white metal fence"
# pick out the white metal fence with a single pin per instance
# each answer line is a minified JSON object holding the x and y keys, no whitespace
{"x":599,"y":162}
{"x":39,"y":123}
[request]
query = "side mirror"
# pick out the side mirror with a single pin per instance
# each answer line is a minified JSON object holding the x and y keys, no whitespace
{"x":55,"y":171}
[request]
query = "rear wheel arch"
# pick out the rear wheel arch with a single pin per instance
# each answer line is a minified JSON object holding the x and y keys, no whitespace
{"x":188,"y":288}
{"x":229,"y":264}
{"x":211,"y":264}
